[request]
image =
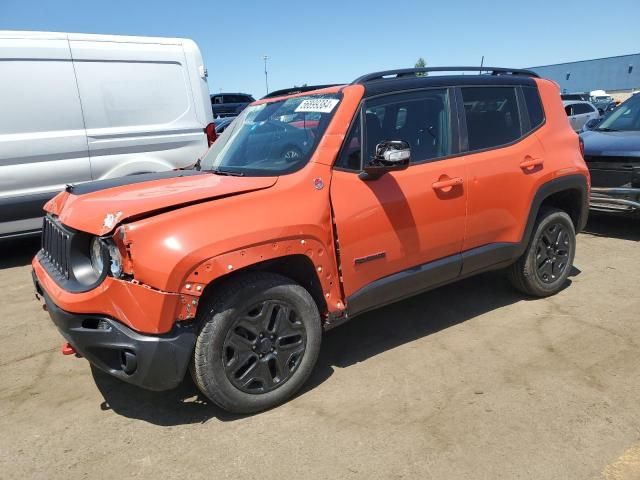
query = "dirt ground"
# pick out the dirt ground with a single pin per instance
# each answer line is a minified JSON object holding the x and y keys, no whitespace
{"x":470,"y":381}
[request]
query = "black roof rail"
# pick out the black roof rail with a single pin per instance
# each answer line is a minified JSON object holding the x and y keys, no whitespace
{"x":411,"y":72}
{"x":294,"y":90}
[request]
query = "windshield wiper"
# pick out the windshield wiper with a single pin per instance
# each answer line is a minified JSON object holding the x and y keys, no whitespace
{"x":607,"y":129}
{"x":228,"y":173}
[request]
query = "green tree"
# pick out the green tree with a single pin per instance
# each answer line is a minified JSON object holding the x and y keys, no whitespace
{"x":421,"y":63}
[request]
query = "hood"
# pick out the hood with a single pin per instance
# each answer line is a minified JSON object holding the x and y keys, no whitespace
{"x":613,"y":144}
{"x":98,"y":207}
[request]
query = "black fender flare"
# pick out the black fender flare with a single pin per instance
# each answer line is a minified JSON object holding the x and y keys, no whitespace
{"x":576,"y":182}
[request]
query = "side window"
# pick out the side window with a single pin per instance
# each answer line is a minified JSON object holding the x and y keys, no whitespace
{"x":350,"y":156}
{"x":534,"y":106}
{"x":492,"y":116}
{"x":581,"y":108}
{"x":568,"y":110}
{"x":420,"y":118}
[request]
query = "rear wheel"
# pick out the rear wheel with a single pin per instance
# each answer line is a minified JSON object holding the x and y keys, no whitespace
{"x":544,"y":267}
{"x":259,"y":342}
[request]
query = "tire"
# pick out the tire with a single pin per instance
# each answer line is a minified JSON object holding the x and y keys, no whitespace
{"x":233,"y":365}
{"x":544,"y":267}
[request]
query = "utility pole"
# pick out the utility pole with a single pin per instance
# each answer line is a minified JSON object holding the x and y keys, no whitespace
{"x":266,"y":75}
{"x":481,"y":65}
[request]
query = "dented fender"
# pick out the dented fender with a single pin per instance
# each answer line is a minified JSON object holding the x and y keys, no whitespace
{"x":322,"y":258}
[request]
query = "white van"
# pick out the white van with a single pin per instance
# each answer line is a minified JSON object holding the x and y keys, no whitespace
{"x":78,"y":107}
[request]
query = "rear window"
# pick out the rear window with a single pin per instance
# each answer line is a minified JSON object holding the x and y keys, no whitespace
{"x":534,"y":106}
{"x":492,"y":116}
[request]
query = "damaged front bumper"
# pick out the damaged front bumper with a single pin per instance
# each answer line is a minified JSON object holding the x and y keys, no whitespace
{"x":154,"y":362}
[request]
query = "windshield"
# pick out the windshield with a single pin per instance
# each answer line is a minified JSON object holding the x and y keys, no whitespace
{"x":272,"y":138}
{"x":625,"y":117}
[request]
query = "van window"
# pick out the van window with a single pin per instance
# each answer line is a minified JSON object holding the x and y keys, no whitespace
{"x":534,"y":106}
{"x":492,"y":116}
{"x":39,"y":96}
{"x":420,"y":118}
{"x":122,"y":94}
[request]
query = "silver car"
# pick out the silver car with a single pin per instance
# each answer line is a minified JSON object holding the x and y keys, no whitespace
{"x":579,"y":113}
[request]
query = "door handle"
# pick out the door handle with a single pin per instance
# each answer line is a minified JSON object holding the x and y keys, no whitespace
{"x":531,"y":163}
{"x":451,"y":182}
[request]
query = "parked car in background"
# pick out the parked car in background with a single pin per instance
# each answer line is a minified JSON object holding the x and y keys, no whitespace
{"x":612,"y":153}
{"x":579,"y":113}
{"x":222,"y":124}
{"x":229,"y":104}
{"x":583,"y":96}
{"x":79,"y":107}
{"x":294,"y":90}
{"x":399,"y":183}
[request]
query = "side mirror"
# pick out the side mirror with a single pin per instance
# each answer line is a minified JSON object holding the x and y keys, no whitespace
{"x":390,"y":156}
{"x":591,"y":124}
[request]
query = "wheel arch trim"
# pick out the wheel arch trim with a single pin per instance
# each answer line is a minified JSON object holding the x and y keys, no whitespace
{"x":261,"y":256}
{"x":565,"y":183}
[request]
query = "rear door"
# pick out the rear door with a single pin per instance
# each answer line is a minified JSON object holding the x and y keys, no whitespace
{"x":138,"y":106}
{"x":505,"y":162}
{"x":43,"y":145}
{"x":392,"y":231}
{"x":571,"y":114}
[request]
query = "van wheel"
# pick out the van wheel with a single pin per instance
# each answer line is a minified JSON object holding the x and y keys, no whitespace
{"x":544,"y":267}
{"x":259,"y":342}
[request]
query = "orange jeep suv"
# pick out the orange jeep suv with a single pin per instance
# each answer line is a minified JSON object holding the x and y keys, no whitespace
{"x":308,"y":210}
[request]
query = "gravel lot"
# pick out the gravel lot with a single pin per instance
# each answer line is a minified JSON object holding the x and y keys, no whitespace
{"x":469,"y":381}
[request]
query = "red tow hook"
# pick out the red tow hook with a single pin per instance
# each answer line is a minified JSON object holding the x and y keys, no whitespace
{"x":67,"y":349}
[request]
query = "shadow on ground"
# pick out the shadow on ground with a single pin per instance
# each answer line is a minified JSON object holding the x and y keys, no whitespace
{"x":356,"y":341}
{"x":18,"y":252}
{"x":613,"y":226}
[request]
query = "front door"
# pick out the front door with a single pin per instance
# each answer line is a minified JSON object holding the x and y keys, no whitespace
{"x":392,"y":230}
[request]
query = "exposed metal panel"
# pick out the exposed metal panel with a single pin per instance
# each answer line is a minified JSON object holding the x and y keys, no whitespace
{"x":610,"y":74}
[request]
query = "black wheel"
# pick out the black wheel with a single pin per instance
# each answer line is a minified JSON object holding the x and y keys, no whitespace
{"x":545,"y":265}
{"x":259,"y":341}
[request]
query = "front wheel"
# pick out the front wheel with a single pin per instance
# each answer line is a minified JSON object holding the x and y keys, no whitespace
{"x":544,"y":267}
{"x":259,"y":342}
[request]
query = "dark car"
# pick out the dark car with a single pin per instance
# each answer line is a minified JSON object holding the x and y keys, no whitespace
{"x":584,"y":97}
{"x":229,"y":104}
{"x":222,"y":123}
{"x":612,"y":153}
{"x":604,"y":104}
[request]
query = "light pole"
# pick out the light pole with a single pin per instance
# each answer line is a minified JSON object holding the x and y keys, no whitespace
{"x":266,"y":75}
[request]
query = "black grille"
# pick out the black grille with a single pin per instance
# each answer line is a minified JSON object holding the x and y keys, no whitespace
{"x":55,"y":246}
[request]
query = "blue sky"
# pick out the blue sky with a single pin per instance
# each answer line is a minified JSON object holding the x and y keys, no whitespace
{"x":336,"y":41}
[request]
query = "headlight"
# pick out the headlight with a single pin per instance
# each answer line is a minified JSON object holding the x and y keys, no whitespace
{"x":105,"y":250}
{"x":115,"y":259}
{"x":97,"y":257}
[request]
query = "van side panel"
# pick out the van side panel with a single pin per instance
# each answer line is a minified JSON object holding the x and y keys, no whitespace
{"x":43,"y":145}
{"x":138,"y":106}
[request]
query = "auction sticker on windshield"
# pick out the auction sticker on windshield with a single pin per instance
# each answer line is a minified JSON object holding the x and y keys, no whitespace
{"x":317,"y":105}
